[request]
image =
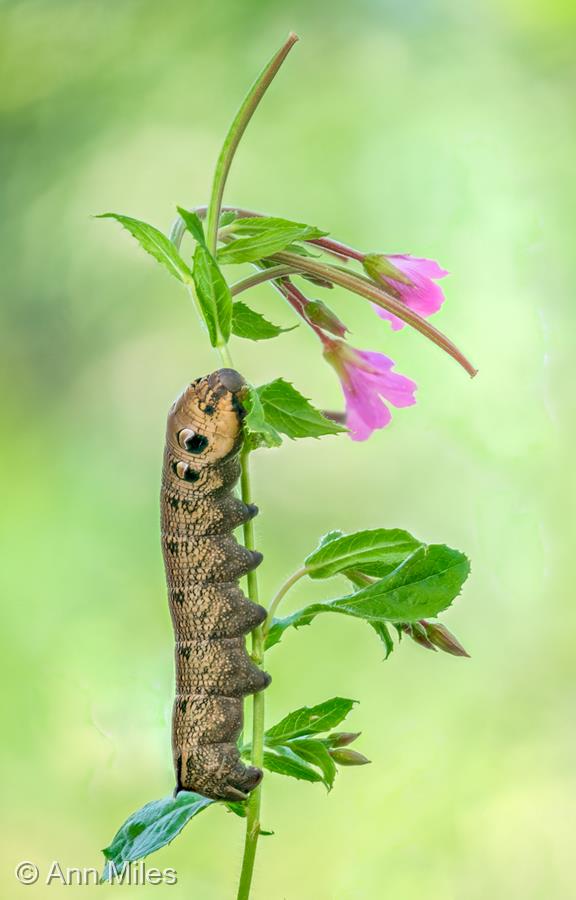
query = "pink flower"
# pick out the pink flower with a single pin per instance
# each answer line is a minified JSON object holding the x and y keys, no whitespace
{"x":367,"y":381}
{"x":418,"y":291}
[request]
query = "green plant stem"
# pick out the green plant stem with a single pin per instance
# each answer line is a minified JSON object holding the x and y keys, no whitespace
{"x":234,"y":135}
{"x":280,"y":596}
{"x":254,"y":801}
{"x":260,"y":277}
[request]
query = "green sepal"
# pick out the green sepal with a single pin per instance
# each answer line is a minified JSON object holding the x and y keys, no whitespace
{"x":377,"y":266}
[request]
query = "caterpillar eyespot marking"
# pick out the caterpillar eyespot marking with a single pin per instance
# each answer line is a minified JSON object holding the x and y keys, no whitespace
{"x":203,"y":562}
{"x":183,"y":471}
{"x":192,"y":441}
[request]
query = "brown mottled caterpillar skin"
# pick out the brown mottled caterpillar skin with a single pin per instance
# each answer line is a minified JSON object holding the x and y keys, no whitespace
{"x":203,"y":562}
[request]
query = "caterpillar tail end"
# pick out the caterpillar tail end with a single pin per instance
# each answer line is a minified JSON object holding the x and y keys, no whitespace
{"x":238,"y":787}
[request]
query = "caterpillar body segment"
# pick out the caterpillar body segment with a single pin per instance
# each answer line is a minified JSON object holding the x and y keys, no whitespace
{"x":203,"y":562}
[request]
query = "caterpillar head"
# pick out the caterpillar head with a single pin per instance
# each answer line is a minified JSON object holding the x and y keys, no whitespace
{"x":205,"y":421}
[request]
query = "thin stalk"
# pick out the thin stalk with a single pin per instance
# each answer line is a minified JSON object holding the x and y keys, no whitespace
{"x":280,"y":596}
{"x":254,"y":801}
{"x":234,"y":135}
{"x":223,"y":352}
{"x":372,"y":292}
{"x":260,"y":277}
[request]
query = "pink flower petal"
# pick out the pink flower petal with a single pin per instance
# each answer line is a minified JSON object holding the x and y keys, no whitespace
{"x":395,"y":322}
{"x":417,"y":265}
{"x":424,"y":296}
{"x":365,"y":412}
{"x":376,"y":362}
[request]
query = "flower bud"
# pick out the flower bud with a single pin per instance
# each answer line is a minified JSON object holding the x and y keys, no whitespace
{"x":342,"y":738}
{"x":348,"y":757}
{"x":319,"y":314}
{"x":444,"y":639}
{"x":417,"y":631}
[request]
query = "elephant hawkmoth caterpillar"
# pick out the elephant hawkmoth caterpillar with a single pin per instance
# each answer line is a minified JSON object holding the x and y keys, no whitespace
{"x":203,"y":562}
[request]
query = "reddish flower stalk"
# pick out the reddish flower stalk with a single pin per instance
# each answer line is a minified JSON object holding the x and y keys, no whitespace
{"x":371,"y":291}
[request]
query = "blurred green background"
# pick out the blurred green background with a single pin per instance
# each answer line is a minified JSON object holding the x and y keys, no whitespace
{"x":440,"y":128}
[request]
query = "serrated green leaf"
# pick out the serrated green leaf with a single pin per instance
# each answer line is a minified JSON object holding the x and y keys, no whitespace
{"x":383,"y":633}
{"x":152,"y":827}
{"x":256,"y":427}
{"x":330,"y":536}
{"x":155,"y":243}
{"x":316,"y":753}
{"x":287,"y":411}
{"x":256,"y":225}
{"x":193,"y":224}
{"x":310,"y":720}
{"x":249,"y":324}
{"x":384,"y":547}
{"x":422,"y":586}
{"x":282,"y":761}
{"x":213,"y":295}
{"x":265,"y":236}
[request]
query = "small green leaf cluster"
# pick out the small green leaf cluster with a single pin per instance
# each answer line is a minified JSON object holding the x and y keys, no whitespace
{"x":244,"y":240}
{"x":300,"y":747}
{"x":397,"y":581}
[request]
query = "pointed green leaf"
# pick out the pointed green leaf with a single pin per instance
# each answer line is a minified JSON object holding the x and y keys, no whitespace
{"x":152,"y":827}
{"x":287,"y":411}
{"x":310,"y":720}
{"x":155,"y":243}
{"x":330,"y":536}
{"x":384,"y":547}
{"x":422,"y":586}
{"x":193,"y":224}
{"x":256,"y":426}
{"x":257,"y":225}
{"x":265,"y":236}
{"x":213,"y":295}
{"x":247,"y":323}
{"x":316,"y":753}
{"x":282,"y":761}
{"x":383,"y":633}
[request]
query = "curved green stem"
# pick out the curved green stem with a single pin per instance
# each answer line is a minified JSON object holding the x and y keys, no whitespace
{"x":223,"y":352}
{"x":253,"y":805}
{"x":234,"y":135}
{"x":260,"y":277}
{"x":280,"y":596}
